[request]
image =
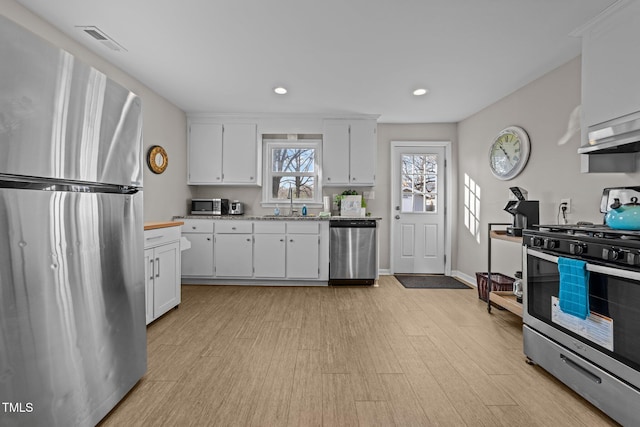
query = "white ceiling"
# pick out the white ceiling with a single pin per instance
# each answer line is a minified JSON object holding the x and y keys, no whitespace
{"x":334,"y":56}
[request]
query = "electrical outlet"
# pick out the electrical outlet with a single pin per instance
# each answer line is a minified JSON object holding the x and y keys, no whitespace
{"x":568,"y":203}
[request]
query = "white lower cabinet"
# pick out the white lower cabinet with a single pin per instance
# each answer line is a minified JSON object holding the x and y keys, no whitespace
{"x":162,"y":271}
{"x":303,"y":256}
{"x":269,"y":252}
{"x":233,"y":241}
{"x":261,"y":250}
{"x":197,"y":261}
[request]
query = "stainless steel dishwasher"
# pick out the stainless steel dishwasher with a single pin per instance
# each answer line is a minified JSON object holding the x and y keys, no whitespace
{"x":352,"y":252}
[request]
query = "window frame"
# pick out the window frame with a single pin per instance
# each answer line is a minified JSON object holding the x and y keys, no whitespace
{"x":271,"y":144}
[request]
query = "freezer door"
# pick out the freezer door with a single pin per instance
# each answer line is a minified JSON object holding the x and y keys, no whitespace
{"x":72,"y":309}
{"x":62,"y":119}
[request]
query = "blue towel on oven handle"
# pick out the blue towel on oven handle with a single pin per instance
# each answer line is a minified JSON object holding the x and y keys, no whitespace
{"x":574,"y":287}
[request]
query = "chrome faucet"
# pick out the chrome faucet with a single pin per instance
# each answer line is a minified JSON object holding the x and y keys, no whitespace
{"x":291,"y":211}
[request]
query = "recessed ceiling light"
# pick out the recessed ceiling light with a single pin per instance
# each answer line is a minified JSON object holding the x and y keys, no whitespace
{"x":280,"y":90}
{"x":420,"y":92}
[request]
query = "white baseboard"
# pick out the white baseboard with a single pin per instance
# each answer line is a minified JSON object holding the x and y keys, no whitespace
{"x":384,"y":272}
{"x":460,"y":275}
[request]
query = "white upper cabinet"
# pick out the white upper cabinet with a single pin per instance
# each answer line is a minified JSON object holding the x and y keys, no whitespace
{"x":349,"y":152}
{"x":205,"y":153}
{"x":335,"y":152}
{"x":240,"y":153}
{"x":611,"y":66}
{"x":364,"y":146}
{"x":225,"y":154}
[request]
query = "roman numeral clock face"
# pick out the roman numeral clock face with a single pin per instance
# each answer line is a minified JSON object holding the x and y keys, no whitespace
{"x":509,"y":153}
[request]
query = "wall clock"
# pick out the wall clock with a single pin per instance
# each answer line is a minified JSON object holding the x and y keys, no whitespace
{"x":509,"y":153}
{"x":157,"y":159}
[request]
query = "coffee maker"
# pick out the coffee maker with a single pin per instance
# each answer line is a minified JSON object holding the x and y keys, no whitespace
{"x":525,"y":212}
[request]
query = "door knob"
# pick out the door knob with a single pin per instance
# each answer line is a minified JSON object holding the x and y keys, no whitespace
{"x":397,"y":216}
{"x":397,"y":208}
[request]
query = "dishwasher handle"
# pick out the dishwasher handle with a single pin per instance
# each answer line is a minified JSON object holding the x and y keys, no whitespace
{"x":353,"y":223}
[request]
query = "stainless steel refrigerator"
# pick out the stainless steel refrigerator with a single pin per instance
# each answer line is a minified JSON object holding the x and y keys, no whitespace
{"x":72,"y":313}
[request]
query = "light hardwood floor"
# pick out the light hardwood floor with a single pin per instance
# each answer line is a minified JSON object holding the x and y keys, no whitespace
{"x":305,"y":356}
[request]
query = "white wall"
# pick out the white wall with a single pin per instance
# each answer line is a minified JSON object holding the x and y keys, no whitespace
{"x":165,"y":195}
{"x":542,"y":108}
{"x":381,"y":206}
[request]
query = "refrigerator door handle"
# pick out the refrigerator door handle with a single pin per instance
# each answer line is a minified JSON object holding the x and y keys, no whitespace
{"x":158,"y":267}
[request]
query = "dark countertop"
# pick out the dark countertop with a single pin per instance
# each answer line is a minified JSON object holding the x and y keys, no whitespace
{"x":276,"y":218}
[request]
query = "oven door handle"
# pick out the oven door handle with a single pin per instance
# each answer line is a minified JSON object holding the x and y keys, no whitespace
{"x":615,"y":272}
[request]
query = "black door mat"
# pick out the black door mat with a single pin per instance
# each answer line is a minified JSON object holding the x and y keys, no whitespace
{"x":415,"y":281}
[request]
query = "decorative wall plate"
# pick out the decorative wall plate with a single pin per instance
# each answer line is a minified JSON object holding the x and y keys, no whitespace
{"x":157,"y":159}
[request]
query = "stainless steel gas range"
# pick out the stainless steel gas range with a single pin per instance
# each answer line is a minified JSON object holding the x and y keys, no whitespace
{"x":598,"y":357}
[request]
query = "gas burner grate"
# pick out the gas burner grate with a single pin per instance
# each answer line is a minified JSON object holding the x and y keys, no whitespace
{"x":590,"y":230}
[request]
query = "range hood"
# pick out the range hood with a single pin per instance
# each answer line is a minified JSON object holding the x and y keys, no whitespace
{"x":620,"y":135}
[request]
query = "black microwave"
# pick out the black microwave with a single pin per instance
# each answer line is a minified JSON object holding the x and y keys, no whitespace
{"x":209,"y":206}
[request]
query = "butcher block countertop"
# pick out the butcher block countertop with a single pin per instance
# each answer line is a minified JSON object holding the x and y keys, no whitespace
{"x":162,"y":224}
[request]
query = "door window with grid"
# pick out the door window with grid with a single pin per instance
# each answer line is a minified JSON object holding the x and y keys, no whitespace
{"x":419,"y":183}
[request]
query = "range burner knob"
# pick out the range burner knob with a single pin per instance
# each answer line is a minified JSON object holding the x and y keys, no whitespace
{"x":536,"y":242}
{"x":577,"y":248}
{"x":632,"y":258}
{"x":551,"y":243}
{"x":611,"y":254}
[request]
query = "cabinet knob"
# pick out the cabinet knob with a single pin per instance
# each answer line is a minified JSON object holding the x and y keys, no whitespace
{"x":397,"y":216}
{"x":193,"y":228}
{"x":248,"y":240}
{"x":291,"y":240}
{"x":328,"y":178}
{"x":251,"y":178}
{"x":233,"y":228}
{"x":209,"y":238}
{"x":353,"y":179}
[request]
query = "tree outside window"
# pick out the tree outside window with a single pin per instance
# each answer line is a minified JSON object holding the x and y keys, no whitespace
{"x":293,"y":166}
{"x":419,"y":182}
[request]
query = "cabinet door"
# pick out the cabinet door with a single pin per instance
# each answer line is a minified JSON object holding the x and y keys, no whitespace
{"x":363,"y":146}
{"x":148,"y":283}
{"x":205,"y":153}
{"x":234,"y":255}
{"x":166,"y":291}
{"x":303,"y":256}
{"x":269,"y":255}
{"x":609,"y":68}
{"x":198,"y":260}
{"x":240,"y":154}
{"x":335,"y":152}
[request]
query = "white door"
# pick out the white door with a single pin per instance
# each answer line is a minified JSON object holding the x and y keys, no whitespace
{"x":418,"y":208}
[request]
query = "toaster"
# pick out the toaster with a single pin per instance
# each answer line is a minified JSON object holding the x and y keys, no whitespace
{"x":236,"y":208}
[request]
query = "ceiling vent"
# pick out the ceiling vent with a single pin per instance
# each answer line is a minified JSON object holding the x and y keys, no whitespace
{"x":104,"y":39}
